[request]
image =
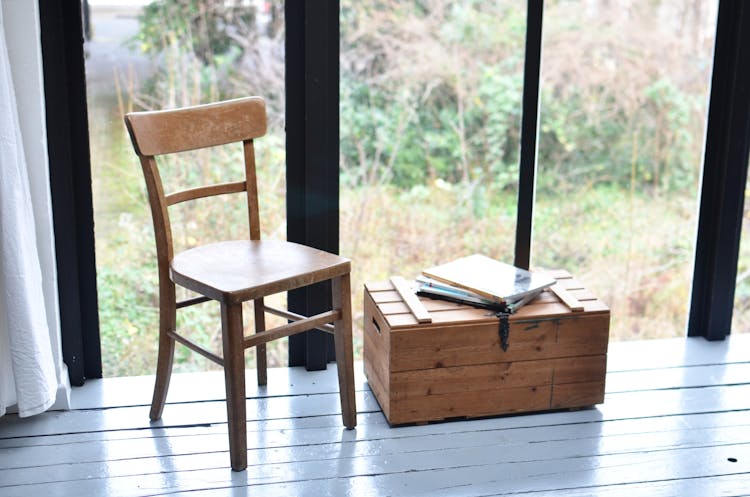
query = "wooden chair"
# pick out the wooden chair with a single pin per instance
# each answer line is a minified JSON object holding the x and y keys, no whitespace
{"x":233,"y":272}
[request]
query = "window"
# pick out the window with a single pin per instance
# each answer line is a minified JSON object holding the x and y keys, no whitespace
{"x":622,"y":123}
{"x":741,"y":315}
{"x":430,"y":120}
{"x":169,"y":54}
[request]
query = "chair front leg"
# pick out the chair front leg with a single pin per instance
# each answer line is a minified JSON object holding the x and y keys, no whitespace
{"x":341,"y":288}
{"x":234,"y":380}
{"x":167,"y":324}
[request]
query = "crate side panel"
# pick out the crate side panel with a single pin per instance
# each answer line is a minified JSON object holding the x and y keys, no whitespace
{"x":460,"y":379}
{"x":466,"y":344}
{"x":376,"y":352}
{"x":579,"y":369}
{"x":470,"y":404}
{"x":496,"y":376}
{"x":461,"y":345}
{"x":584,"y":334}
{"x":570,"y":395}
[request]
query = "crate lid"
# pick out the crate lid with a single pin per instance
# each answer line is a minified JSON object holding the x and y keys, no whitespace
{"x":548,"y":305}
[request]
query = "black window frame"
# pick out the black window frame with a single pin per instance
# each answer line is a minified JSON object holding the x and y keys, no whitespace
{"x":312,"y":157}
{"x":70,"y":186}
{"x":725,"y":166}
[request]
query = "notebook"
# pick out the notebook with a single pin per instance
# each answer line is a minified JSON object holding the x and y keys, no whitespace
{"x":489,"y":278}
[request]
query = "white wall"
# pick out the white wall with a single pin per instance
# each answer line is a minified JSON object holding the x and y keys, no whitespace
{"x":22,"y":33}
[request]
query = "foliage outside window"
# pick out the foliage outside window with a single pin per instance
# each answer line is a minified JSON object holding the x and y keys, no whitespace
{"x":430,"y":101}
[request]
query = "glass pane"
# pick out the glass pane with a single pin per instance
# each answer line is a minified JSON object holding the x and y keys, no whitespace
{"x":624,"y":102}
{"x":741,"y":314}
{"x":159,"y":55}
{"x":430,"y":114}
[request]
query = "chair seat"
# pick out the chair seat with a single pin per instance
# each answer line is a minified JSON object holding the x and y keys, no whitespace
{"x":241,"y":270}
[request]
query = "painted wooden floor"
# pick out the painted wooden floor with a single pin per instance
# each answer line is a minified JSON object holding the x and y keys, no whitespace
{"x":676,"y":421}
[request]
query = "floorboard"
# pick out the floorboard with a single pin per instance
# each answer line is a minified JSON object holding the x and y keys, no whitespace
{"x":675,"y":421}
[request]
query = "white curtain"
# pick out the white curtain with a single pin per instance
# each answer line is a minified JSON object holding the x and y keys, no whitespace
{"x":32,"y":375}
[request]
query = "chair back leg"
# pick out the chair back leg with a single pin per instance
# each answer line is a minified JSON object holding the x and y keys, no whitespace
{"x":234,"y":381}
{"x":260,"y":349}
{"x":341,"y":288}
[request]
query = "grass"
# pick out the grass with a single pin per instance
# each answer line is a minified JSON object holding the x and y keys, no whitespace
{"x":640,"y":267}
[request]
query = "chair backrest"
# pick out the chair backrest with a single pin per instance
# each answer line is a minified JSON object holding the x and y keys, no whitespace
{"x":161,"y":132}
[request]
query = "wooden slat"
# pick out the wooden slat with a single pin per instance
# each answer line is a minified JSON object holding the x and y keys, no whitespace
{"x":412,"y":302}
{"x":386,"y":296}
{"x":205,"y":191}
{"x":558,"y":274}
{"x":728,"y":427}
{"x":567,"y":395}
{"x":412,"y":474}
{"x":273,"y":434}
{"x":438,"y":465}
{"x":467,"y":452}
{"x":389,"y":308}
{"x":378,"y":286}
{"x":284,"y":410}
{"x":569,"y":284}
{"x":197,"y":348}
{"x":441,"y":312}
{"x":496,"y":376}
{"x":200,"y":126}
{"x":470,"y":403}
{"x":582,"y":294}
{"x":464,"y":344}
{"x":293,"y":316}
{"x":567,"y":298}
{"x":267,"y":409}
{"x":193,"y":301}
{"x":460,"y":315}
{"x":313,"y":322}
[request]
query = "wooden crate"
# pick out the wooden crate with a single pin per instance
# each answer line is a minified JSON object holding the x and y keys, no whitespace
{"x":456,"y":367}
